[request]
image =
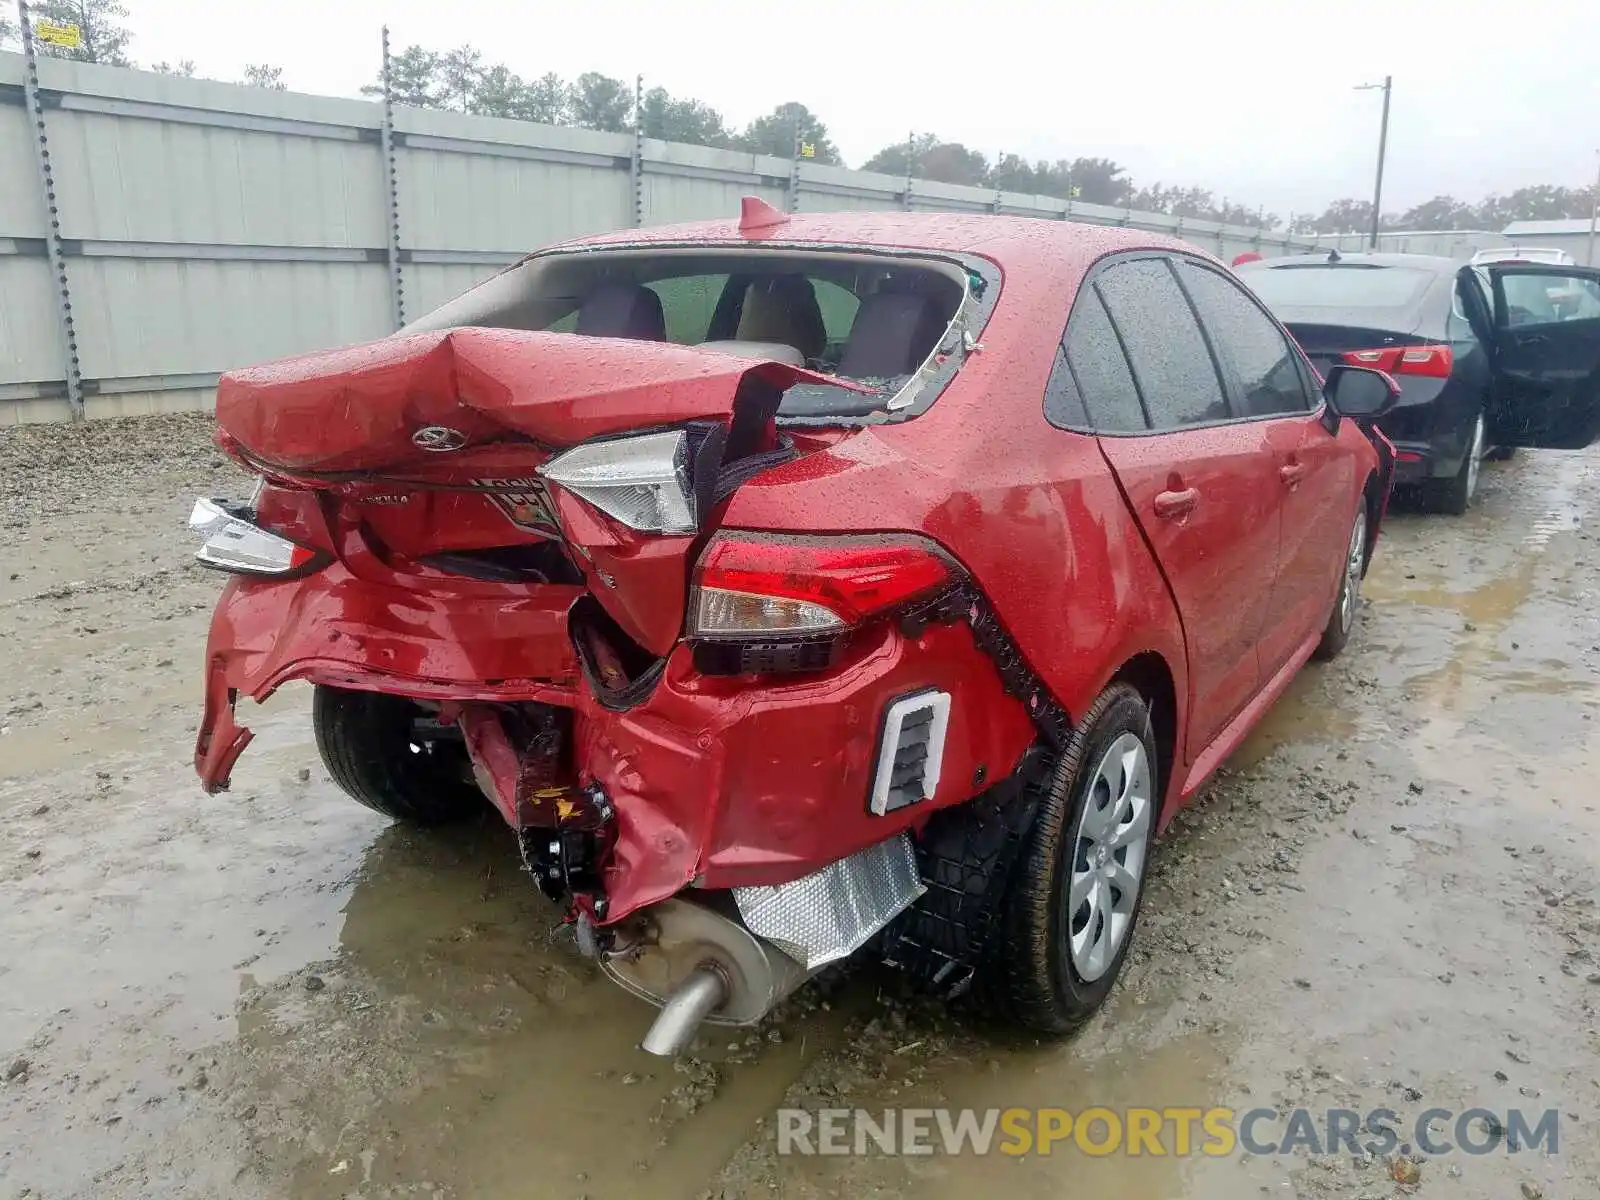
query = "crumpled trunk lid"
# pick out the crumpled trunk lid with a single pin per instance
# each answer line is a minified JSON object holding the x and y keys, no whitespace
{"x":425,"y":449}
{"x":360,"y":409}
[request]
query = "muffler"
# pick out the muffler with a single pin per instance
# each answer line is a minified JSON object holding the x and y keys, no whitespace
{"x":703,"y":966}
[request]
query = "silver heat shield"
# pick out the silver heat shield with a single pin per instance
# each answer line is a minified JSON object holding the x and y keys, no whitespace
{"x":830,"y":914}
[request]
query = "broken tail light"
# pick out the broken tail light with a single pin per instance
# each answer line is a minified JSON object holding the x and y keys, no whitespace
{"x":233,"y":542}
{"x":765,"y":603}
{"x":641,"y":481}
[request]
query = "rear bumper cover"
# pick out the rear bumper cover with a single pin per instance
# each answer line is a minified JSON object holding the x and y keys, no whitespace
{"x":718,"y":781}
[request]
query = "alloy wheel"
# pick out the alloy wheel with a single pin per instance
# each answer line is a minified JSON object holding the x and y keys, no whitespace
{"x":1350,"y":593}
{"x":1108,"y":856}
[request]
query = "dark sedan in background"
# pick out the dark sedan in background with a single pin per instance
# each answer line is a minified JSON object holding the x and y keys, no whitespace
{"x":1461,"y":340}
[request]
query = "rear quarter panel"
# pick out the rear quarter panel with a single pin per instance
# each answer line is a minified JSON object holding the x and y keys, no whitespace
{"x":1031,"y":511}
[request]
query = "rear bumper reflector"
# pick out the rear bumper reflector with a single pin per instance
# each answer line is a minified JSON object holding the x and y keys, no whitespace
{"x":910,"y":751}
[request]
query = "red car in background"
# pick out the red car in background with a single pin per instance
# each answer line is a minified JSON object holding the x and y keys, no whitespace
{"x":804,"y":582}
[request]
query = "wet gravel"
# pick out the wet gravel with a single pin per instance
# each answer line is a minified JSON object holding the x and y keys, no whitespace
{"x":1387,"y":899}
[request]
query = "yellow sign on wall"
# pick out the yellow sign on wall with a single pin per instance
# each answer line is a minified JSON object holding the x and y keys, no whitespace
{"x":68,"y":37}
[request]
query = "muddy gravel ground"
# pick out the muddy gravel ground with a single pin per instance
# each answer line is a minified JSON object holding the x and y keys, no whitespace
{"x":1388,"y":900}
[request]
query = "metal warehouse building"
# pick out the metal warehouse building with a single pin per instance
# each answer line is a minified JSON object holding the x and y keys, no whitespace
{"x":1576,"y":237}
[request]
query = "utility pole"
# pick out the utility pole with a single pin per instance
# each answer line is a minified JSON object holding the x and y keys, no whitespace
{"x":1594,"y":213}
{"x":1383,"y":145}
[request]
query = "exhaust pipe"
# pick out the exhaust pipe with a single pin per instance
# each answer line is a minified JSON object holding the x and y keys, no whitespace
{"x":695,"y":999}
{"x":732,"y":967}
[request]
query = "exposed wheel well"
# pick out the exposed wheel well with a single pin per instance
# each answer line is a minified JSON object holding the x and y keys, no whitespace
{"x":1149,"y":673}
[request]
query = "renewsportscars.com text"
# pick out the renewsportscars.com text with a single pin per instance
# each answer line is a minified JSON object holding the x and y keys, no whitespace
{"x":1162,"y":1132}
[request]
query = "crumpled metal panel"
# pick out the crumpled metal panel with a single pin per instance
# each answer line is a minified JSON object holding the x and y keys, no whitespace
{"x":830,"y":914}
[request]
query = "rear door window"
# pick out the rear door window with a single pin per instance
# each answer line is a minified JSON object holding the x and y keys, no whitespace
{"x":1104,"y":384}
{"x":1171,"y":362}
{"x":1262,"y":361}
{"x":838,"y":306}
{"x":687,"y":302}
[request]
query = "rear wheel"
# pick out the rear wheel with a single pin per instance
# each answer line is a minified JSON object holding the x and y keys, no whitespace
{"x":1454,"y":495}
{"x":377,"y":748}
{"x":1075,"y":898}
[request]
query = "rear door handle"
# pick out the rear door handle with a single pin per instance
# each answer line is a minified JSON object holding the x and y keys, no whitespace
{"x":1292,"y":473}
{"x":1176,"y":504}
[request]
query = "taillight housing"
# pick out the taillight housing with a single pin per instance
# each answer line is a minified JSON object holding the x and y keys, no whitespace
{"x":1434,"y":361}
{"x":779,"y":602}
{"x":234,"y":542}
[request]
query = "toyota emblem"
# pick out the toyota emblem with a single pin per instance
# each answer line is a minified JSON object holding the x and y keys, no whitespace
{"x":438,"y":438}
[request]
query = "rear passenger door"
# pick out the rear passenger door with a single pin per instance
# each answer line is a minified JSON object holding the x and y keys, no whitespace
{"x":1204,"y":489}
{"x":1270,"y":388}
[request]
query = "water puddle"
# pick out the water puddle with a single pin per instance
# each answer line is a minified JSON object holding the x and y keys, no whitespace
{"x":455,"y":1009}
{"x":1188,"y":1071}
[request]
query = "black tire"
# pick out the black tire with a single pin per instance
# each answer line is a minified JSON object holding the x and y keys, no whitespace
{"x":1033,"y":976}
{"x":1500,"y":454}
{"x":370,"y":746}
{"x":1454,"y":495}
{"x":1347,"y":601}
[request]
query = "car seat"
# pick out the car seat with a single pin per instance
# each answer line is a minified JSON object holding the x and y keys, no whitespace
{"x":622,"y":310}
{"x":892,"y":334}
{"x":783,"y":308}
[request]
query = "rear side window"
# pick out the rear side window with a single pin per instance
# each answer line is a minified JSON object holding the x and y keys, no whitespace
{"x":1104,"y":382}
{"x":1170,"y":361}
{"x":1063,"y":402}
{"x":1245,"y":338}
{"x":838,"y":307}
{"x":687,"y":303}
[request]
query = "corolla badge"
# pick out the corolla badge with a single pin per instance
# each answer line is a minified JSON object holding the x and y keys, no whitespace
{"x":438,"y":438}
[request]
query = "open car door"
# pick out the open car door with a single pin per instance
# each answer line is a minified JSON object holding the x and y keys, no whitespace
{"x":1546,"y":352}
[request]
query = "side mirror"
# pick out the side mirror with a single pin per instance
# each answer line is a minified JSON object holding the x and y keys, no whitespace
{"x":1360,"y":393}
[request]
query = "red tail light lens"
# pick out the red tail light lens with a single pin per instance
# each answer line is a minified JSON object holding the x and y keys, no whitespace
{"x":765,"y":586}
{"x":1433,"y":361}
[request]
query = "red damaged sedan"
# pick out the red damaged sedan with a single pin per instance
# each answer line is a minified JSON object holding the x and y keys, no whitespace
{"x":801,"y":584}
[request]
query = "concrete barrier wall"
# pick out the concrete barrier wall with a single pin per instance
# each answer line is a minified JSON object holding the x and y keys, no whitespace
{"x":205,"y":225}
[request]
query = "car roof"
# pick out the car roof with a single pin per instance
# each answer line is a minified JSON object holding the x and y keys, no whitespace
{"x":1016,"y":243}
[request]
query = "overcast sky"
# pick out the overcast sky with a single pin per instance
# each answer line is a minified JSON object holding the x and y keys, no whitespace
{"x":1253,"y":99}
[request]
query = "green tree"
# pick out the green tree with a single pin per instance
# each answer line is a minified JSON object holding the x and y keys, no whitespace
{"x":264,"y":75}
{"x":1545,"y":202}
{"x":100,"y":25}
{"x":680,"y":120}
{"x":1013,"y":173}
{"x":777,"y":132}
{"x":1343,"y":216}
{"x":1092,"y":180}
{"x":9,"y":34}
{"x":547,"y":100}
{"x":414,"y":76}
{"x":500,"y":92}
{"x":1441,"y":212}
{"x":460,"y":74}
{"x":184,"y":67}
{"x":598,"y":101}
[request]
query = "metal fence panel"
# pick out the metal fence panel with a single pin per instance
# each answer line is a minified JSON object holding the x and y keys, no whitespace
{"x":30,"y":343}
{"x":208,"y":225}
{"x":152,"y":318}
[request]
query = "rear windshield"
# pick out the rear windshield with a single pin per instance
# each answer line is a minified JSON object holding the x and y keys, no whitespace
{"x":1514,"y":255}
{"x":1339,"y":285}
{"x":875,"y":319}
